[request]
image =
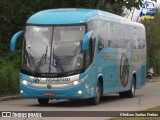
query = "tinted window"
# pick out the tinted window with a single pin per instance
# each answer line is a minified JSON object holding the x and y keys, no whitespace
{"x":104,"y":32}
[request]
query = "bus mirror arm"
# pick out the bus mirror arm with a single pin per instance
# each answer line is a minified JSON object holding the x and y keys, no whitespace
{"x":14,"y":39}
{"x":85,"y":41}
{"x":100,"y":45}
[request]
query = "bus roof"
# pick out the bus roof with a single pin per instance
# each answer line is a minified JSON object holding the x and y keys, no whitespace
{"x":72,"y":16}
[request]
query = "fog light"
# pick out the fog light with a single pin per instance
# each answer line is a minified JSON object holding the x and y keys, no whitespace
{"x":21,"y":91}
{"x":80,"y":92}
{"x":75,"y":83}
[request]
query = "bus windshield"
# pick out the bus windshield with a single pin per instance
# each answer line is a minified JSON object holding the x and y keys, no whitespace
{"x":53,"y":49}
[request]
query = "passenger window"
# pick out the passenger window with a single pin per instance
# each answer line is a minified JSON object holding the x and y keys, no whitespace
{"x":112,"y":41}
{"x":120,"y":36}
{"x":140,"y":38}
{"x":135,"y":37}
{"x":113,"y":31}
{"x":141,"y":44}
{"x":93,"y":25}
{"x":128,"y":37}
{"x":104,"y":32}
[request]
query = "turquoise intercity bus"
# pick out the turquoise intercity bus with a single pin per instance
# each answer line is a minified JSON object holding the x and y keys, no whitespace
{"x":80,"y":54}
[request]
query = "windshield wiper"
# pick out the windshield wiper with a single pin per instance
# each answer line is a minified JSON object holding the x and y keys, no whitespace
{"x":43,"y":57}
{"x":28,"y":56}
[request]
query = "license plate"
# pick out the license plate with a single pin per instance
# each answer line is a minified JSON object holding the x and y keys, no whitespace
{"x":49,"y":93}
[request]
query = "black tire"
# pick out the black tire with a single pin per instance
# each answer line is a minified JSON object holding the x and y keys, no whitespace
{"x":43,"y":101}
{"x":122,"y":94}
{"x":131,"y":93}
{"x":95,"y":100}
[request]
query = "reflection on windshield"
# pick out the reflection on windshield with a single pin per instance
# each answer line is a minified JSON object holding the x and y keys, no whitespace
{"x":66,"y":52}
{"x":37,"y":38}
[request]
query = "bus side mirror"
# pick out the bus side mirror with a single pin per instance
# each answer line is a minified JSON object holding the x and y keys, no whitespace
{"x":85,"y":41}
{"x":14,"y":39}
{"x":100,"y":45}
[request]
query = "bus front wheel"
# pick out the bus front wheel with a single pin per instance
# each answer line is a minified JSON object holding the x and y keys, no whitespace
{"x":43,"y":101}
{"x":95,"y":100}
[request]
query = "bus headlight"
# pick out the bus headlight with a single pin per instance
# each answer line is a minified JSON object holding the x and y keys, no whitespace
{"x":76,"y":82}
{"x":25,"y":82}
{"x":80,"y":81}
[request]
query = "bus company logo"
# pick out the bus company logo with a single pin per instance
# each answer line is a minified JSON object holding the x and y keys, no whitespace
{"x":36,"y":80}
{"x":49,"y":86}
{"x":57,"y":80}
{"x":108,"y":56}
{"x":147,"y":10}
{"x":124,"y":70}
{"x":148,"y":5}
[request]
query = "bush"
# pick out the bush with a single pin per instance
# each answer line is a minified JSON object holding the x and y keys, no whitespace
{"x":153,"y":42}
{"x":9,"y":74}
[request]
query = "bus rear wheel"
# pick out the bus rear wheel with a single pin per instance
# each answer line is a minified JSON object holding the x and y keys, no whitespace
{"x":43,"y":101}
{"x":95,"y":100}
{"x":131,"y":92}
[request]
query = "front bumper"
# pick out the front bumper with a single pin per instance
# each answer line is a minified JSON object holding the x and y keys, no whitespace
{"x":65,"y":93}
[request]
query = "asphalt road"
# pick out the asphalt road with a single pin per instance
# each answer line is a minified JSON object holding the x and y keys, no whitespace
{"x":146,"y":97}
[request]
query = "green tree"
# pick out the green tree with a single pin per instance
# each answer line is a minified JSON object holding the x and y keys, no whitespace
{"x":153,"y":42}
{"x":13,"y":14}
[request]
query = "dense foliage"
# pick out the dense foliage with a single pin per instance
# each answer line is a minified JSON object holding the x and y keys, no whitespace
{"x":9,"y":72}
{"x":153,"y":42}
{"x":13,"y":15}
